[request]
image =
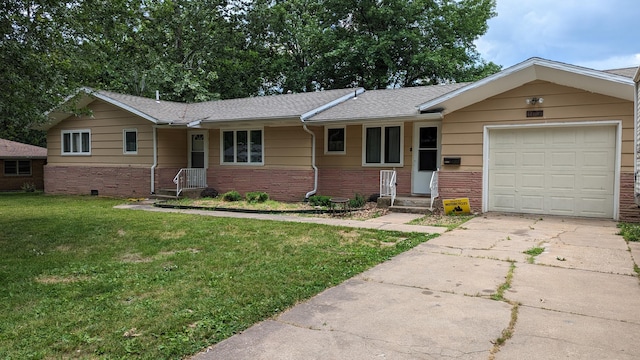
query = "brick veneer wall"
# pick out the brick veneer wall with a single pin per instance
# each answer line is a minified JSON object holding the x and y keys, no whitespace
{"x":109,"y":181}
{"x":13,"y":182}
{"x":281,"y":185}
{"x":456,"y":184}
{"x":164,"y":178}
{"x":348,"y":182}
{"x":629,"y":211}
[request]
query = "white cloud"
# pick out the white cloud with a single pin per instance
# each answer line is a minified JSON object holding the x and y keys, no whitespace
{"x":599,"y":34}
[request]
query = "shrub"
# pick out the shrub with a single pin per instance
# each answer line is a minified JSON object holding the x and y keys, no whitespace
{"x":256,"y":197}
{"x":209,"y":193}
{"x":320,"y":200}
{"x":357,"y":202}
{"x":28,"y":187}
{"x":231,"y":196}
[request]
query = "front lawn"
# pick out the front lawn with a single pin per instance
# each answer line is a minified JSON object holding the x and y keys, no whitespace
{"x":80,"y":279}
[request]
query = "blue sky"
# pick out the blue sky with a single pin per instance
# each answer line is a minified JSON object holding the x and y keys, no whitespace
{"x":599,"y":34}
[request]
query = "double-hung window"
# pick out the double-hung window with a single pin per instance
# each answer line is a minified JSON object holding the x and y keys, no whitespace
{"x":383,"y":145}
{"x":76,"y":142}
{"x":130,"y":141}
{"x":17,"y":167}
{"x":242,"y":147}
{"x":335,"y":140}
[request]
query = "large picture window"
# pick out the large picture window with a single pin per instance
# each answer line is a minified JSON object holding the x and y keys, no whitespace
{"x":383,"y":145}
{"x":17,"y":167}
{"x":76,"y":142}
{"x":242,"y":147}
{"x":130,"y":141}
{"x":336,"y":140}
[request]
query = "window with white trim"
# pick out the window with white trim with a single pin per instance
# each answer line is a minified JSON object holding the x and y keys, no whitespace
{"x":383,"y":145}
{"x":242,"y":147}
{"x":17,"y":167}
{"x":335,"y":140}
{"x":130,"y":141}
{"x":76,"y":142}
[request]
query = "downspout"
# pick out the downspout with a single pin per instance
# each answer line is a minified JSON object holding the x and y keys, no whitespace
{"x":304,"y":117}
{"x":313,"y":161}
{"x":155,"y":160}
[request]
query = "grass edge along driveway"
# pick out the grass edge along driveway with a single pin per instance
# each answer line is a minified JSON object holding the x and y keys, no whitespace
{"x":80,"y":279}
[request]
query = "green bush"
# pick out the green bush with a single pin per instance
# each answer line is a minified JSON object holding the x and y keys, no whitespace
{"x":357,"y":202}
{"x":231,"y":196}
{"x":320,"y":200}
{"x":256,"y":197}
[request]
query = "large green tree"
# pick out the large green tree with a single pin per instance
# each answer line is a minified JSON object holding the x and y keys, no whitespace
{"x":196,"y":50}
{"x":371,"y":43}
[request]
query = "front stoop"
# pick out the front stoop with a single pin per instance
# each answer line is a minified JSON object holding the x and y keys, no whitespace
{"x":407,"y":204}
{"x":170,"y":194}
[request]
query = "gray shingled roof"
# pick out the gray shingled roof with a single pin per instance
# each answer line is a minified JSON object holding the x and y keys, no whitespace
{"x":15,"y":150}
{"x":374,"y":104}
{"x":260,"y":107}
{"x":627,"y":72}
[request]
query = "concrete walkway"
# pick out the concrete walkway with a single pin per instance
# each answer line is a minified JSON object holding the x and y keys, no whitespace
{"x":579,"y":299}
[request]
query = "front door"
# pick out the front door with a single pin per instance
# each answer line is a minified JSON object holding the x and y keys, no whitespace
{"x":197,"y":150}
{"x":426,"y":156}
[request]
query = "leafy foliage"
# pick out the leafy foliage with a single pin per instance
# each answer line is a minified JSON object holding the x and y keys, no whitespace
{"x":320,"y":200}
{"x":629,"y":231}
{"x":231,"y":196}
{"x":203,"y":50}
{"x":256,"y":197}
{"x":357,"y":202}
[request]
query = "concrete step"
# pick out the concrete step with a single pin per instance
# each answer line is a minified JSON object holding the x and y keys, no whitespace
{"x":166,"y":192}
{"x":164,"y":197}
{"x":412,"y":201}
{"x":410,"y":209}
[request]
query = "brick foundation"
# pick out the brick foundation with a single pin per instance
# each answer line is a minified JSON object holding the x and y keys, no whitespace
{"x":629,"y":211}
{"x":455,"y":184}
{"x":281,"y":185}
{"x":119,"y":181}
{"x":347,"y":182}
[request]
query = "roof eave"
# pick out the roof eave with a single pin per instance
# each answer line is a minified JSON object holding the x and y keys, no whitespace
{"x":531,"y":70}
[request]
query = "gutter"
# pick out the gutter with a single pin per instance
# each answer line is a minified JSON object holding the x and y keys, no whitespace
{"x":309,"y":114}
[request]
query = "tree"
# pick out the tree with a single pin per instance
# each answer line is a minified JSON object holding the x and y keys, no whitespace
{"x":372,"y":43}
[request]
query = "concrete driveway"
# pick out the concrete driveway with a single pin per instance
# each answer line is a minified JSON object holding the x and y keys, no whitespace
{"x":579,"y":299}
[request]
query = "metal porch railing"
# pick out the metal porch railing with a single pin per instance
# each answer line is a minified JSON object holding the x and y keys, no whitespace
{"x":190,"y":178}
{"x":388,"y":184}
{"x":433,"y":185}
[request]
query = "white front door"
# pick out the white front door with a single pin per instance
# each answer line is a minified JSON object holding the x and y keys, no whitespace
{"x":426,"y":156}
{"x":198,"y":149}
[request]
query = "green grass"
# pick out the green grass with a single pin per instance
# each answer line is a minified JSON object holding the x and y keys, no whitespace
{"x":80,"y":279}
{"x":533,"y":252}
{"x":630,"y":232}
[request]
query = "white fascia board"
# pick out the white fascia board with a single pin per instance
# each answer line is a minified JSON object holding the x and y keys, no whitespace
{"x":124,"y":106}
{"x":357,"y":91}
{"x":637,"y":77}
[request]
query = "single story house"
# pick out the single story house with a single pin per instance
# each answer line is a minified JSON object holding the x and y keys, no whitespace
{"x":22,"y":165}
{"x":540,"y":137}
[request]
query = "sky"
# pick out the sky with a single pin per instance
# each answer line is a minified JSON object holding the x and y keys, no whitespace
{"x":598,"y":34}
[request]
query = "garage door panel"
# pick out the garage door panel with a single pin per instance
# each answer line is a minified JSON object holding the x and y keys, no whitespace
{"x":563,"y":159}
{"x":562,"y":182}
{"x":532,"y":203}
{"x":533,"y":159}
{"x":553,"y":170}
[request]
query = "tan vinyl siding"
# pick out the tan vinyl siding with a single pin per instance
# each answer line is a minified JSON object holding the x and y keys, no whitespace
{"x":353,"y":146}
{"x":172,"y":148}
{"x":287,"y":147}
{"x":106,"y":124}
{"x":462,"y":131}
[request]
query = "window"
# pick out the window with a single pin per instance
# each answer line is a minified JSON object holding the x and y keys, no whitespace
{"x":130,"y":141}
{"x":76,"y":142}
{"x":242,"y":147}
{"x":17,"y":167}
{"x":335,"y":140}
{"x":383,"y":145}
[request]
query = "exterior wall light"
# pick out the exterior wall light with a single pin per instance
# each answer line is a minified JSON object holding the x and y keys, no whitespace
{"x":534,"y":100}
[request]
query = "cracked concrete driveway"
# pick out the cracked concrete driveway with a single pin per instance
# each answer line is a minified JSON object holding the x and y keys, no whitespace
{"x":579,"y":299}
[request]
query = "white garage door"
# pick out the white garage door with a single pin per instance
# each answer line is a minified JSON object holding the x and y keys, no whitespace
{"x":553,"y":170}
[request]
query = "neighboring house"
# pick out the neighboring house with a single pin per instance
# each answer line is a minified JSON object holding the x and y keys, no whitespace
{"x":540,"y":137}
{"x":22,"y":165}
